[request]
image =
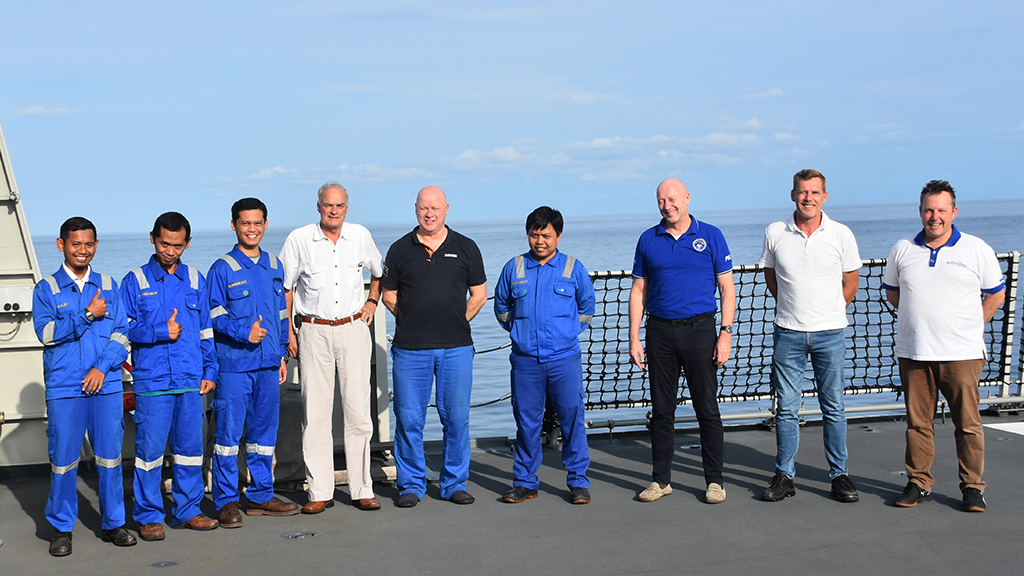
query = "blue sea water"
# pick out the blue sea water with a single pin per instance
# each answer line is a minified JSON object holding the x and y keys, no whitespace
{"x":600,"y":242}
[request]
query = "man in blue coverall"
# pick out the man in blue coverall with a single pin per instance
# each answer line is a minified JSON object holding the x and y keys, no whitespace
{"x":545,"y":299}
{"x":79,"y":318}
{"x":250,"y":329}
{"x":174,"y":364}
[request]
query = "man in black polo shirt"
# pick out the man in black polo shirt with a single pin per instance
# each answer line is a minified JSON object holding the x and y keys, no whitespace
{"x":427,"y":273}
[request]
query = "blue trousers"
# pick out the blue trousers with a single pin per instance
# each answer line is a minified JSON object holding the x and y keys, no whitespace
{"x":414,"y":374}
{"x":827,"y":351}
{"x":249,"y":401}
{"x":532,"y":383}
{"x":177,"y":418}
{"x":69,"y":419}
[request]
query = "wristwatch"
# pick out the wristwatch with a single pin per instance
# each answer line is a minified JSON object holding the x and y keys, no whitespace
{"x":727,"y":328}
{"x":89,"y":315}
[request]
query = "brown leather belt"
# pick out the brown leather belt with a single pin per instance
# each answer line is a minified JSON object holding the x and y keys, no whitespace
{"x":322,"y":322}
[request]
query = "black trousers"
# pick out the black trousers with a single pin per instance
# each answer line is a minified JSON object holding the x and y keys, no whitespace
{"x":672,"y":346}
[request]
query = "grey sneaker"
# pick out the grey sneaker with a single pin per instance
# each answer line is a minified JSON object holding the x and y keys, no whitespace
{"x":654,"y":491}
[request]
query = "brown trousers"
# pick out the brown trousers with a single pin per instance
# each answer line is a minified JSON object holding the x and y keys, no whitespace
{"x":958,"y":383}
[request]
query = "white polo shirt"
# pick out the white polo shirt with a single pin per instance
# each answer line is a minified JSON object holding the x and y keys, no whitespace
{"x":809,"y":270}
{"x":940,"y":316}
{"x":327,"y":278}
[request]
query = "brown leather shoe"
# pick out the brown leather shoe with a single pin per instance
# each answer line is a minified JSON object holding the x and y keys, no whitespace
{"x":273,"y":507}
{"x":229,"y":516}
{"x":367,"y":504}
{"x":317,"y":506}
{"x":200,"y":522}
{"x":152,"y":532}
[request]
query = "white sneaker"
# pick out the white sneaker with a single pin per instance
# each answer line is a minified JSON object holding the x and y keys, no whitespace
{"x":655,"y":491}
{"x":715,"y":494}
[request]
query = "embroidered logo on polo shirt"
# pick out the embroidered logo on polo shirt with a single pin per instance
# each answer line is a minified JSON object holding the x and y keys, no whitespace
{"x":449,"y":255}
{"x":956,"y":263}
{"x":700,"y":244}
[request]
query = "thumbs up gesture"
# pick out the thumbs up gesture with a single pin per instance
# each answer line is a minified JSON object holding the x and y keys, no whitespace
{"x":98,"y":306}
{"x":257,"y":333}
{"x":173,"y":327}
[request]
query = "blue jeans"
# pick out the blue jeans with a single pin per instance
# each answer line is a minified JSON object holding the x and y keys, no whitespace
{"x":533,"y":383}
{"x":414,"y":374}
{"x":827,"y":350}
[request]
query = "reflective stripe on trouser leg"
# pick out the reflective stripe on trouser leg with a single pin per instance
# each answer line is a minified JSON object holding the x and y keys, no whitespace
{"x":186,"y":443}
{"x":106,"y":433}
{"x":152,"y":423}
{"x":232,"y":397}
{"x":261,"y":434}
{"x":65,"y":430}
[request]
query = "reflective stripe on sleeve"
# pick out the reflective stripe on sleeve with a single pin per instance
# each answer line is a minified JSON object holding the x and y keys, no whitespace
{"x":106,"y":282}
{"x":48,"y":332}
{"x":54,"y":287}
{"x":206,"y":333}
{"x":503,"y":317}
{"x":141,"y":277}
{"x":273,"y":261}
{"x":586,"y":318}
{"x":284,"y":314}
{"x":231,"y":262}
{"x":193,"y":278}
{"x":570,"y":261}
{"x":120,"y":339}
{"x":520,"y":266}
{"x":218,"y":311}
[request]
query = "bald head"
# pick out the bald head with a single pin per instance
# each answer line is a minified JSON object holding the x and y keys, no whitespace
{"x":673,"y":203}
{"x":431,"y":210}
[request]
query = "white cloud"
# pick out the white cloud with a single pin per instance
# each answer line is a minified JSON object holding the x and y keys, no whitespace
{"x":268,"y":173}
{"x":771,"y":93}
{"x":725,"y":139}
{"x":377,"y":173}
{"x":786,"y":137}
{"x":44,"y":111}
{"x":751,"y":124}
{"x":502,"y":156}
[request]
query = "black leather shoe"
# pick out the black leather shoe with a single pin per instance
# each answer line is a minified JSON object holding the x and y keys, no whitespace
{"x":518,"y":494}
{"x":60,"y":544}
{"x":579,"y":495}
{"x":120,"y":536}
{"x":843,"y":489}
{"x":912,"y":496}
{"x":407,"y":500}
{"x":461,"y":497}
{"x":780,"y":487}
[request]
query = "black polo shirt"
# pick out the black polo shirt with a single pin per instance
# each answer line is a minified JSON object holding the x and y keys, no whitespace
{"x":432,"y":290}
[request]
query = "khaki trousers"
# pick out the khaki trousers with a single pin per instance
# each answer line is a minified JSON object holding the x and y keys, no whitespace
{"x":958,"y":383}
{"x":329,"y":354}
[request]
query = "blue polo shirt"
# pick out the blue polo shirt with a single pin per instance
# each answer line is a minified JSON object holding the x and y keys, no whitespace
{"x":681,"y":274}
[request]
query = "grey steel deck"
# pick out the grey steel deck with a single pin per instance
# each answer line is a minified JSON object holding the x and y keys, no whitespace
{"x":616,"y":534}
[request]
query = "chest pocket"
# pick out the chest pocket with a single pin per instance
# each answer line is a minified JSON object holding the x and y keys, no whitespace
{"x":278,"y":287}
{"x":239,"y":291}
{"x":192,"y":300}
{"x":314,"y":278}
{"x":565,"y":298}
{"x":520,"y":303}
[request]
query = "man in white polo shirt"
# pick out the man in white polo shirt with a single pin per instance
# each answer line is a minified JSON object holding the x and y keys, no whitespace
{"x":947,"y":286}
{"x":811,"y":266}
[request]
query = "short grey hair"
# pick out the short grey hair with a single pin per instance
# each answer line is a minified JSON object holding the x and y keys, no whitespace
{"x":332,"y":185}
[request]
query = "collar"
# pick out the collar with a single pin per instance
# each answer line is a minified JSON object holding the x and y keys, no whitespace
{"x":693,"y":229}
{"x":158,"y":273}
{"x":416,"y":238}
{"x":532,"y":262}
{"x":244,"y":259}
{"x":318,"y":234}
{"x":953,"y":238}
{"x":791,"y":223}
{"x":70,"y":275}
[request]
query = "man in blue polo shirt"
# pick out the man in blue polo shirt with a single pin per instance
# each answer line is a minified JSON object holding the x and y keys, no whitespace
{"x":79,"y":318}
{"x":250,"y":328}
{"x":545,"y":299}
{"x":174,"y":364}
{"x":678,"y":265}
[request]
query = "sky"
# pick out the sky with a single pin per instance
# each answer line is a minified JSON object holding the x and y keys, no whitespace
{"x":119,"y":111}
